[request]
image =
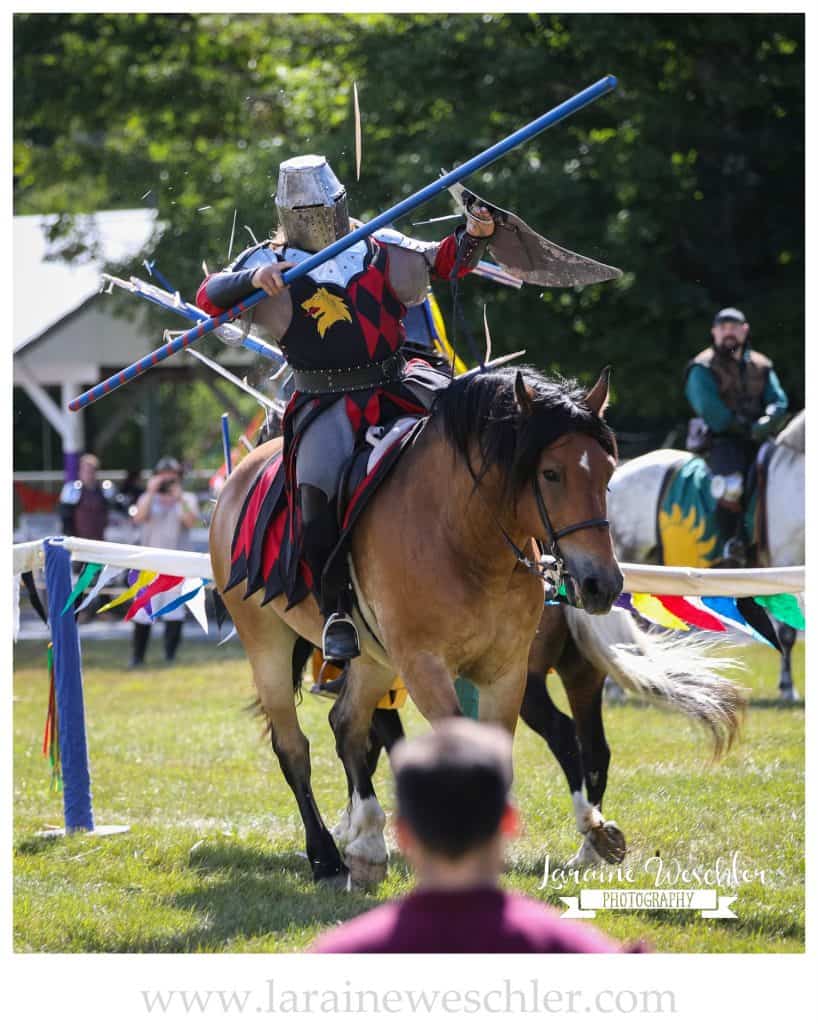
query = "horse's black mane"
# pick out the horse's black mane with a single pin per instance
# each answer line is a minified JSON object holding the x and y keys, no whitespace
{"x":483,"y":408}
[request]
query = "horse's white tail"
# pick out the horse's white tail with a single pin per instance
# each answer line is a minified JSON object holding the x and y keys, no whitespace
{"x":678,"y":671}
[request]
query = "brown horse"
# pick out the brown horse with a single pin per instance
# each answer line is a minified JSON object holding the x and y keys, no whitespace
{"x":441,"y":563}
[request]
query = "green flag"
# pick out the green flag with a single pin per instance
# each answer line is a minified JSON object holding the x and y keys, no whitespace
{"x":785,"y":608}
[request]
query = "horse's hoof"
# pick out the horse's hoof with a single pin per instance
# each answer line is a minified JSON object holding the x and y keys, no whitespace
{"x":340,"y":880}
{"x":788,"y":695}
{"x":364,"y":872}
{"x":609,"y":842}
{"x":586,"y":856}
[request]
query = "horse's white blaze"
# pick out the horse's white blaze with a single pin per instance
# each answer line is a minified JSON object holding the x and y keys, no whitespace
{"x":587,"y":816}
{"x":584,"y":461}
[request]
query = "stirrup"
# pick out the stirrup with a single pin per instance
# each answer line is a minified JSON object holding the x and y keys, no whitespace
{"x":340,"y":641}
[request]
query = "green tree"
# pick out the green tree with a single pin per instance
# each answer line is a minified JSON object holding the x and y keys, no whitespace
{"x":689,"y":177}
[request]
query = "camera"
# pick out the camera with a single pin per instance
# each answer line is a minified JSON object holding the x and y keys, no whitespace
{"x":166,"y":486}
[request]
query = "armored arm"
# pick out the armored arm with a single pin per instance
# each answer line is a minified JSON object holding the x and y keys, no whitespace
{"x":219,"y":292}
{"x":411,"y":262}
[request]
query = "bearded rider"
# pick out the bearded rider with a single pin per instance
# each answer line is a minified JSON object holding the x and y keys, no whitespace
{"x":737,"y":394}
{"x":340,"y":327}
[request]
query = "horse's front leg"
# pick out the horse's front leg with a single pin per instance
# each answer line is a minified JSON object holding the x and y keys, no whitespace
{"x":360,"y":831}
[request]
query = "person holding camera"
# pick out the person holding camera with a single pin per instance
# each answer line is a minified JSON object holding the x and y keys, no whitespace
{"x":165,"y":514}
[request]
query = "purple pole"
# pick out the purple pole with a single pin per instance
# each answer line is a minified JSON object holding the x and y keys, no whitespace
{"x":476,"y":163}
{"x":71,"y":466}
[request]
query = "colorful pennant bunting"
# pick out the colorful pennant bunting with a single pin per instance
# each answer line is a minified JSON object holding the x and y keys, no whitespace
{"x":727,"y":610}
{"x":785,"y":608}
{"x":688,"y":611}
{"x":182,"y":598}
{"x":85,"y":577}
{"x":142,"y":580}
{"x":158,"y":586}
{"x":110,"y":572}
{"x":652,"y":609}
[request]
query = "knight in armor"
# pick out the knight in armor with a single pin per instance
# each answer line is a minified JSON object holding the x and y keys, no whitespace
{"x":739,"y":403}
{"x":341,"y":329}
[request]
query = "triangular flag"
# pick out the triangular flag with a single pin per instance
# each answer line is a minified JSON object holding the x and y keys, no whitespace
{"x":624,"y":601}
{"x":727,"y":610}
{"x":33,"y":596}
{"x":233,"y":632}
{"x":652,"y":609}
{"x":759,"y":620}
{"x":196,"y":607}
{"x":110,"y":572}
{"x":85,"y":577}
{"x":142,"y":580}
{"x":174,"y":602}
{"x":158,"y":586}
{"x":15,"y":606}
{"x":785,"y":608}
{"x":688,"y":611}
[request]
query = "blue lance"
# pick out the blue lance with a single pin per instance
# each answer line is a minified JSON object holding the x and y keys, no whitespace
{"x":488,"y":156}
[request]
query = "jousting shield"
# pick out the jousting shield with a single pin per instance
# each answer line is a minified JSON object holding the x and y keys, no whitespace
{"x":534,"y":259}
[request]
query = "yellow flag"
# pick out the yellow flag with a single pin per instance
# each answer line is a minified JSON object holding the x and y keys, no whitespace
{"x":652,"y":608}
{"x":142,"y":580}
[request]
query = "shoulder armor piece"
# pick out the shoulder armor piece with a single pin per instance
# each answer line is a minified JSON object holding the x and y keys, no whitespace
{"x":389,"y":236}
{"x":255,"y":256}
{"x":337,"y":271}
{"x":71,"y":493}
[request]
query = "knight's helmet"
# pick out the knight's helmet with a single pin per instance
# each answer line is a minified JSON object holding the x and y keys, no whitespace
{"x":311,"y":203}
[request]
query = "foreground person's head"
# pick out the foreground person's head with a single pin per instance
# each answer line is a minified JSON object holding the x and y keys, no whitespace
{"x":454,"y":814}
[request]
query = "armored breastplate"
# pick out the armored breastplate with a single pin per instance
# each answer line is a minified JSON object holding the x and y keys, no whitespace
{"x":345,"y":314}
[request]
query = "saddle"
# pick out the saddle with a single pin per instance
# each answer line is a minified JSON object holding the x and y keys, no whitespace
{"x":266,"y":546}
{"x":687,"y":526}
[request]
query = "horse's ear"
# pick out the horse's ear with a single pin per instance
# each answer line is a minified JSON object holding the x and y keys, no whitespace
{"x":522,"y":394}
{"x":597,"y":397}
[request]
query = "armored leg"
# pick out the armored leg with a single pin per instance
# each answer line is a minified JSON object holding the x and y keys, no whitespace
{"x":326,"y":445}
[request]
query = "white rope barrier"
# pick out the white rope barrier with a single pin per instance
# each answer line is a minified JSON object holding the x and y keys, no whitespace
{"x":642,"y":579}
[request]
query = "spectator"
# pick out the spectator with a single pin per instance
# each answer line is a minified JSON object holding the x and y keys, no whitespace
{"x":454,"y":819}
{"x":165,"y":514}
{"x":84,"y":502}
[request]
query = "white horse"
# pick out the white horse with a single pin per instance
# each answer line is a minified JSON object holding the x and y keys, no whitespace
{"x":635,"y":494}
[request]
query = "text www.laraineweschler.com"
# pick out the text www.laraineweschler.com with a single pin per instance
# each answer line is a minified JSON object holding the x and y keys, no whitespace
{"x":505,"y":996}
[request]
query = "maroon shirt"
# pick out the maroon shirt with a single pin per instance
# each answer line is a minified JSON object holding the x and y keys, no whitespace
{"x":480,"y":920}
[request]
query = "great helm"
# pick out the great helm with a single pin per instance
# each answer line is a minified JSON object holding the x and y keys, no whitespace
{"x":311,"y":203}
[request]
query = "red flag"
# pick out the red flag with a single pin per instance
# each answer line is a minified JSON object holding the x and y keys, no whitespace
{"x":690,"y":613}
{"x":158,"y":586}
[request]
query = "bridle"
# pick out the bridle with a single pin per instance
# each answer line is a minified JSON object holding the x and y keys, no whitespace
{"x":550,"y":567}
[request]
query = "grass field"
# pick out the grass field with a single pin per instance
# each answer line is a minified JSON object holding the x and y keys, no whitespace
{"x":213,"y":858}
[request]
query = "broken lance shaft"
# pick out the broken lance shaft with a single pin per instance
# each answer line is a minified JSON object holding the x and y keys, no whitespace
{"x":488,"y":156}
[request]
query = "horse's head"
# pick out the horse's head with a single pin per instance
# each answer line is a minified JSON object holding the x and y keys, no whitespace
{"x":566,"y":456}
{"x":552,"y":453}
